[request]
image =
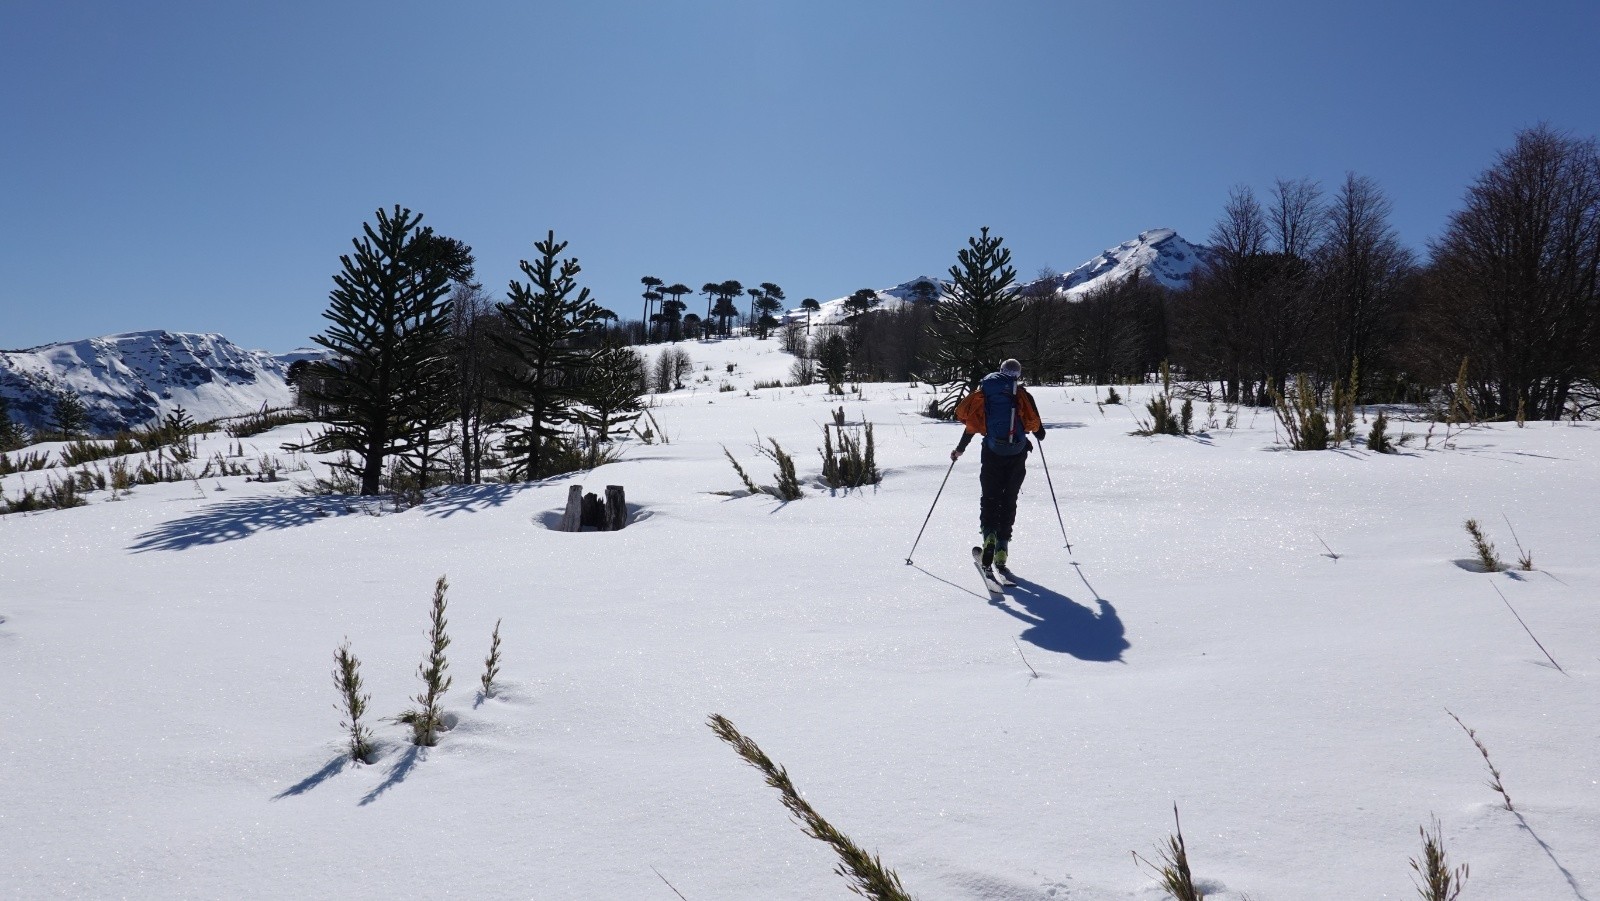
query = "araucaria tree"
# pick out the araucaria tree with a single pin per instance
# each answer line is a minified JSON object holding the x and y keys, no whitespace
{"x":386,"y":385}
{"x":545,"y":318}
{"x":976,"y":320}
{"x":616,"y":382}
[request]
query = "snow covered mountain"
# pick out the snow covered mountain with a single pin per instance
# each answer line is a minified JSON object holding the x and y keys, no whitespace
{"x":1160,"y":254}
{"x":136,"y":378}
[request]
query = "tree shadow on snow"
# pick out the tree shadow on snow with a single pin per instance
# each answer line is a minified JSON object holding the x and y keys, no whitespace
{"x":397,"y":774}
{"x":1057,"y":623}
{"x":333,"y":768}
{"x":232,"y":520}
{"x":470,"y":498}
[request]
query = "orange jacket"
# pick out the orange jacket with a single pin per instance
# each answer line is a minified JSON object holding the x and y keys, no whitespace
{"x":970,"y":412}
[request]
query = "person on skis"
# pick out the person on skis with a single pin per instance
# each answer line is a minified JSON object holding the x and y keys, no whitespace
{"x":1003,"y":412}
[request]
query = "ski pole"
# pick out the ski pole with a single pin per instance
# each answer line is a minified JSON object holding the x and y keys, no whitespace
{"x":930,"y":512}
{"x":1053,"y":500}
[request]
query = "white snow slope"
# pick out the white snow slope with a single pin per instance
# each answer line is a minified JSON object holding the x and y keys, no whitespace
{"x":167,"y":721}
{"x":136,"y":378}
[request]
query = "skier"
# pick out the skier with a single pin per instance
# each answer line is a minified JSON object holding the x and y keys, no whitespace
{"x":1003,"y":412}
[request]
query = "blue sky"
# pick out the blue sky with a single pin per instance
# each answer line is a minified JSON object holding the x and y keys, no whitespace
{"x":201,"y":166}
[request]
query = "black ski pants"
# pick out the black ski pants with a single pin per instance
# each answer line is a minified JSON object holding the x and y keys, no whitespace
{"x":1001,"y":477}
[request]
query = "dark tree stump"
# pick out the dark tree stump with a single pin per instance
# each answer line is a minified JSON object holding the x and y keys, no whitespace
{"x":616,"y":508}
{"x":594,"y":512}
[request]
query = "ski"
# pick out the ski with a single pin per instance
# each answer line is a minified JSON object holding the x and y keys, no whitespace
{"x":1005,"y":577}
{"x":990,"y":581}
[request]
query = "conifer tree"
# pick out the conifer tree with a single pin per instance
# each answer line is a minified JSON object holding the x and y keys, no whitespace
{"x":977,"y":317}
{"x":10,"y":432}
{"x":615,"y":382}
{"x":390,"y":315}
{"x":544,"y":318}
{"x":68,"y":414}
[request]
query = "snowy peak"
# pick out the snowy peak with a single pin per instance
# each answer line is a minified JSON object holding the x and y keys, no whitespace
{"x":834,"y":312}
{"x":1160,"y":254}
{"x":136,"y":378}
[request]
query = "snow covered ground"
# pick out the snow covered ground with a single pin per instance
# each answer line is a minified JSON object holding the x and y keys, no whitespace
{"x":167,"y":721}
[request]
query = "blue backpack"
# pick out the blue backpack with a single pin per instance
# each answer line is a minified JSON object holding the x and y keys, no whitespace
{"x":1003,"y":433}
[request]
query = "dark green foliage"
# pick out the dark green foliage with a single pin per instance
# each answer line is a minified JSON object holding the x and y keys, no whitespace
{"x":11,"y":434}
{"x":76,"y":453}
{"x":833,"y":361}
{"x":866,"y":873}
{"x":427,"y":717}
{"x":23,"y":462}
{"x":352,"y":702}
{"x":976,"y":320}
{"x":615,"y":381}
{"x":861,"y":301}
{"x":544,"y":320}
{"x":1112,"y":397}
{"x":491,"y":663}
{"x":1300,"y":413}
{"x":1378,"y":437}
{"x":853,"y":465}
{"x":788,"y":488}
{"x":68,"y":415}
{"x":743,"y":476}
{"x":389,"y":314}
{"x":263,"y":420}
{"x":1488,"y":557}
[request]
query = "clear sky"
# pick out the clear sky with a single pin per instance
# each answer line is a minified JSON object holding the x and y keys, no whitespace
{"x":200,"y":166}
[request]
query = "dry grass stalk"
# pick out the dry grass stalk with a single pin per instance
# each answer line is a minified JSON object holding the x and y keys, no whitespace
{"x":1176,"y":878}
{"x":868,"y":876}
{"x":1494,"y":774}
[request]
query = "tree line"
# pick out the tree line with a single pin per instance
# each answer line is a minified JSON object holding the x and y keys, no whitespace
{"x":1303,"y":282}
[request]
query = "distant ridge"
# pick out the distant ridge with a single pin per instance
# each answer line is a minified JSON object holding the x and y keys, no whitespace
{"x":1160,"y":254}
{"x":134,"y":379}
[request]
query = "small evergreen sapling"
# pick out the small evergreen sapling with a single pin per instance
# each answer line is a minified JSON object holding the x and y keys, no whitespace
{"x":353,"y":703}
{"x":1378,"y":438}
{"x":1487,"y":557}
{"x":427,"y":717}
{"x":491,"y":664}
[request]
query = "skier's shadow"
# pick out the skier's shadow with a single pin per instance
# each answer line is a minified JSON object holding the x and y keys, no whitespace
{"x":1057,"y":623}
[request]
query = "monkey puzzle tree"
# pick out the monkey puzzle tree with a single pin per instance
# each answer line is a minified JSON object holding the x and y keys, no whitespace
{"x":976,"y":319}
{"x":390,"y":316}
{"x":544,"y":320}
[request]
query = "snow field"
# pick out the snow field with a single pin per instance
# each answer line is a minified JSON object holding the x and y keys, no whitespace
{"x":166,"y":711}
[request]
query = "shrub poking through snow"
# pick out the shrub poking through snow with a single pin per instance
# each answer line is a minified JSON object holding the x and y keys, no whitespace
{"x":426,"y":718}
{"x":1438,"y":881}
{"x":866,"y":873}
{"x":491,"y":664}
{"x":1176,"y":879}
{"x":743,"y":476}
{"x":1112,"y":397}
{"x":352,"y":702}
{"x":1487,"y":557}
{"x":854,"y":464}
{"x":1301,"y":414}
{"x":788,"y":482}
{"x":1378,"y":437}
{"x":1164,"y":418}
